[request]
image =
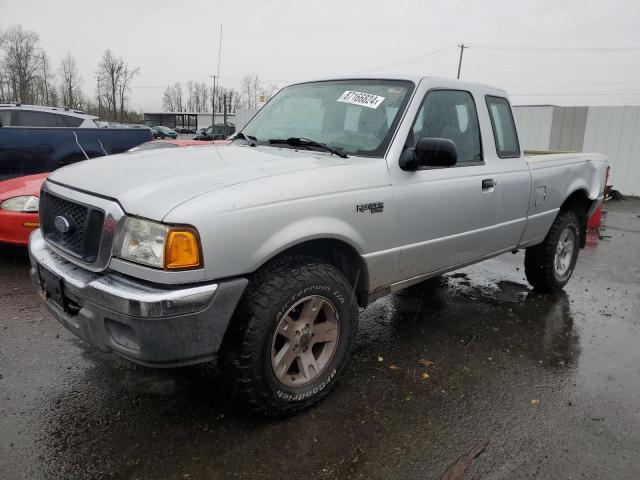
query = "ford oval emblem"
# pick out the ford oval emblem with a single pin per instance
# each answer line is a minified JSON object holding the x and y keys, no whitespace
{"x":62,"y":224}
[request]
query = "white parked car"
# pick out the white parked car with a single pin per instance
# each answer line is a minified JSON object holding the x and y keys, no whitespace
{"x":17,"y":115}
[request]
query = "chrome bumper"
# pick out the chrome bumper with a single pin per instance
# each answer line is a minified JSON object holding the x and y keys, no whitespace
{"x":144,"y":322}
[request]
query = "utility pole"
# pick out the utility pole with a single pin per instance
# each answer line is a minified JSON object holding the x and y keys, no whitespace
{"x":462,"y":47}
{"x":213,"y":99}
{"x":46,"y":88}
{"x":99,"y":100}
{"x":121,"y":101}
{"x":225,"y":116}
{"x":213,"y":103}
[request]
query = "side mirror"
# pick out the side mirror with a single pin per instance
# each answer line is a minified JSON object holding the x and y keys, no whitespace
{"x":430,"y":152}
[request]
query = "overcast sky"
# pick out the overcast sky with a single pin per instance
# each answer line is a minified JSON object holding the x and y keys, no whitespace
{"x":286,"y":41}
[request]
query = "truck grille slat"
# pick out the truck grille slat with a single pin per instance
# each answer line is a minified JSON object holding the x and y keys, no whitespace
{"x":82,"y":239}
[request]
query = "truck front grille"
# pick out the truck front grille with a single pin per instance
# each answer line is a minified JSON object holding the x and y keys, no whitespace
{"x":79,"y":226}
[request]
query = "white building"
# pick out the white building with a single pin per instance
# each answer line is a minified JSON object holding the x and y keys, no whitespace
{"x":614,"y":131}
{"x":192,"y":120}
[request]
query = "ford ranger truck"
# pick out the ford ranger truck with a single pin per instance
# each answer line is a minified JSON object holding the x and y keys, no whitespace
{"x":336,"y":193}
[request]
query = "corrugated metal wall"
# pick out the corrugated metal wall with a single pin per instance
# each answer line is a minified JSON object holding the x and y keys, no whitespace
{"x":614,"y":131}
{"x":534,"y":126}
{"x":567,"y":129}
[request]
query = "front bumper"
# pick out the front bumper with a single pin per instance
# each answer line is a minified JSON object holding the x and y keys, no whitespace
{"x":150,"y":324}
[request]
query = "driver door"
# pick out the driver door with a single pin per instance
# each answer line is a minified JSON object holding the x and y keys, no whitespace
{"x":443,"y":213}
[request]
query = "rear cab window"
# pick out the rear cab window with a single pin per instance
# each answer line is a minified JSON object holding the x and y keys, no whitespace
{"x":504,"y":127}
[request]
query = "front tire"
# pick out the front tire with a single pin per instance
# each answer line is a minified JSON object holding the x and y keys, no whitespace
{"x":549,"y":265}
{"x":291,"y":336}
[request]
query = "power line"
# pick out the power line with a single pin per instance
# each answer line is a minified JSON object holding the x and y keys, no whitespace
{"x":409,"y":60}
{"x":559,"y":49}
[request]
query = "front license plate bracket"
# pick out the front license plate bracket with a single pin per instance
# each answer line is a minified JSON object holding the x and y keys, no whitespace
{"x":52,"y":287}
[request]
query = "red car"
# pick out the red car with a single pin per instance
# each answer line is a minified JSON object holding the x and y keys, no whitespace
{"x":19,"y":197}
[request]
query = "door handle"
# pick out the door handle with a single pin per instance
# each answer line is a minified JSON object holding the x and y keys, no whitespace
{"x":488,"y":184}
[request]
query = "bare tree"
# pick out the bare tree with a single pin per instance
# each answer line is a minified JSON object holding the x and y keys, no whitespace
{"x":110,"y":70}
{"x":127,"y":76}
{"x":177,"y":92}
{"x":47,"y":81}
{"x":235,"y":99}
{"x":231,"y":95}
{"x":114,"y":76}
{"x":168,"y":100}
{"x":70,"y":83}
{"x":5,"y":91}
{"x":268,"y":91}
{"x":250,"y":83}
{"x":22,"y":62}
{"x":203,"y":97}
{"x":172,"y":99}
{"x":192,"y":97}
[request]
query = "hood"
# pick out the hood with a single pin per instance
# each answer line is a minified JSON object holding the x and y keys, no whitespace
{"x":151,"y":183}
{"x":28,"y":185}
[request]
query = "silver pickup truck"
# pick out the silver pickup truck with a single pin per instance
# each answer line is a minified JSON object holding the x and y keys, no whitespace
{"x":336,"y":193}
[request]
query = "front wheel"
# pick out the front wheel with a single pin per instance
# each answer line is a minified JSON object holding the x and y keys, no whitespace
{"x":549,"y":265}
{"x":291,"y":336}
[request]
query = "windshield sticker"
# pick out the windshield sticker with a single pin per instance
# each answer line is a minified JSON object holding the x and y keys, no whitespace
{"x":363,"y":99}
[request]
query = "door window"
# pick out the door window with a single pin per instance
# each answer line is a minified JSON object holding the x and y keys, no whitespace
{"x":28,"y":118}
{"x":5,"y":118}
{"x":504,"y":128}
{"x":449,"y":114}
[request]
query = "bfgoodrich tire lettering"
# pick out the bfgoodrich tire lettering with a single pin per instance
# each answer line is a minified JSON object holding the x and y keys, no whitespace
{"x":247,"y":353}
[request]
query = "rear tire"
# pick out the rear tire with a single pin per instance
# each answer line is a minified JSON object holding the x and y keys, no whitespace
{"x":549,"y":265}
{"x":291,"y":336}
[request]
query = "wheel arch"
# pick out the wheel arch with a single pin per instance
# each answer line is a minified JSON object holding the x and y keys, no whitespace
{"x":337,"y":252}
{"x":580,"y":203}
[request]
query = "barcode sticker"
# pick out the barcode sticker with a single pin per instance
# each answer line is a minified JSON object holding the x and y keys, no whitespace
{"x":363,"y":99}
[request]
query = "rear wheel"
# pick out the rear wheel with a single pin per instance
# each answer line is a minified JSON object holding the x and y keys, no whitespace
{"x":291,"y":336}
{"x":549,"y":265}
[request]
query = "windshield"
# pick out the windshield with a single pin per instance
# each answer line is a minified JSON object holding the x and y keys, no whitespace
{"x":355,"y":116}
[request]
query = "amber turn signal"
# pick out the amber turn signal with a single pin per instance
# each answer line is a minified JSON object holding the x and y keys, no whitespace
{"x":182,"y":249}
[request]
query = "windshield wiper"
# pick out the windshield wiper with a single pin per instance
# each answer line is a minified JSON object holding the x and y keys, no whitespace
{"x":251,"y":140}
{"x":306,"y":142}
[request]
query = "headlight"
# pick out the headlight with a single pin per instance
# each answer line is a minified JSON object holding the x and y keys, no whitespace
{"x":24,"y":203}
{"x":158,"y":245}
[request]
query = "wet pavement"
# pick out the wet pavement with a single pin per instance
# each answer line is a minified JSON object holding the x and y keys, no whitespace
{"x":552,"y":383}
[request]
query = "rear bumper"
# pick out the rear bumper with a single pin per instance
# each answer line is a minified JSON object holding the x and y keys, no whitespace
{"x":15,"y":227}
{"x":147,"y":323}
